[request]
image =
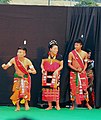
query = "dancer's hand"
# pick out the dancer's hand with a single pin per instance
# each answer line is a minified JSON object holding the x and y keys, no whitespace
{"x":3,"y":66}
{"x":83,"y":71}
{"x":79,"y":70}
{"x":56,"y":72}
{"x":29,"y":71}
{"x":43,"y":70}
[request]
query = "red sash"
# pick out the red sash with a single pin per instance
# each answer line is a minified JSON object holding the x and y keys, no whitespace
{"x":22,"y":69}
{"x":78,"y":59}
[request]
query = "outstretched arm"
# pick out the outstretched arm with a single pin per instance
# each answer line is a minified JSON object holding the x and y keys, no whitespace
{"x":6,"y":66}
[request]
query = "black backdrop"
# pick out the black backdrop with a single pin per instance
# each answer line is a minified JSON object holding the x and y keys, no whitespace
{"x":38,"y":25}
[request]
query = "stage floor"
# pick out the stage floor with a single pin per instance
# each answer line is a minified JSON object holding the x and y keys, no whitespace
{"x":8,"y":113}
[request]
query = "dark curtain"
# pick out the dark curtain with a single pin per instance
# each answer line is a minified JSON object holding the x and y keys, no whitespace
{"x":97,"y":53}
{"x":38,"y":25}
{"x":84,"y":23}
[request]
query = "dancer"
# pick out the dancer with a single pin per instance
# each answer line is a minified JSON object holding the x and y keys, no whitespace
{"x":52,"y":64}
{"x":22,"y":80}
{"x":90,"y":75}
{"x":77,"y":61}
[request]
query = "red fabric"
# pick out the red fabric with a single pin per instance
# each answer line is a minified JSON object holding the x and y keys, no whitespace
{"x":50,"y":67}
{"x":79,"y":85}
{"x":78,"y":59}
{"x":76,"y":90}
{"x":50,"y":94}
{"x":54,"y":80}
{"x":22,"y":90}
{"x":22,"y":69}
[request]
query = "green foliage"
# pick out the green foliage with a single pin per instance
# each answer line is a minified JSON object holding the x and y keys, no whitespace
{"x":85,"y":3}
{"x":4,"y":1}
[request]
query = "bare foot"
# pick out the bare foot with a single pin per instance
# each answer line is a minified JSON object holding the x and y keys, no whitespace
{"x":88,"y":106}
{"x":58,"y":107}
{"x":49,"y":108}
{"x":72,"y":108}
{"x":27,"y":107}
{"x":17,"y":109}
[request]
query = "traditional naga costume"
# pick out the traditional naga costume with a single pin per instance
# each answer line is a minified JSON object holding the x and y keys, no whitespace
{"x":90,"y":75}
{"x":21,"y":87}
{"x":78,"y":82}
{"x":51,"y":82}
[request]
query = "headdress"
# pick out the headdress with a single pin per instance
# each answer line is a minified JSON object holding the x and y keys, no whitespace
{"x":52,"y":42}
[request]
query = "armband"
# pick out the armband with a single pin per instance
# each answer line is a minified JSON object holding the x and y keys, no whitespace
{"x":69,"y":61}
{"x":86,"y":60}
{"x":9,"y":64}
{"x":31,"y":66}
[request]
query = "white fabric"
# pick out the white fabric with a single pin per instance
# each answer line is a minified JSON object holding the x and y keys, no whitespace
{"x":31,"y":66}
{"x":9,"y":64}
{"x":69,"y":61}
